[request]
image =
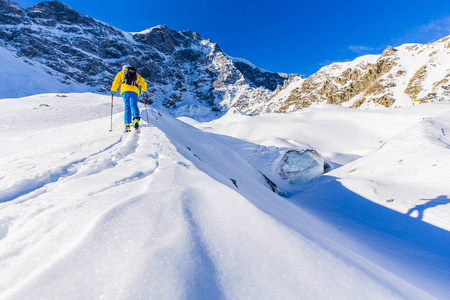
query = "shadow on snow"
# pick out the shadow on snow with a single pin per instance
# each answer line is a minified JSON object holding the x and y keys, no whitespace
{"x":414,"y":245}
{"x":441,"y":200}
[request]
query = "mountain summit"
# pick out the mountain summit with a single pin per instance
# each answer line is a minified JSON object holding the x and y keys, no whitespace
{"x":182,"y":68}
{"x":397,"y":77}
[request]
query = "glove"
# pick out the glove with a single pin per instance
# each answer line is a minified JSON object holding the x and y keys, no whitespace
{"x":145,"y":96}
{"x":112,"y":92}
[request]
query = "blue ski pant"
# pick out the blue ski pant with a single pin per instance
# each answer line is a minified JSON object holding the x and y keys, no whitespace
{"x":131,"y":106}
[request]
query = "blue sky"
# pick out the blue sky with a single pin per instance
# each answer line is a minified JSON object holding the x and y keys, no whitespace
{"x":283,"y":35}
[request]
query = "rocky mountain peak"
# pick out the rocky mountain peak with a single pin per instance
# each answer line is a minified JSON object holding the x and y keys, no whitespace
{"x":397,"y":77}
{"x":388,"y":51}
{"x":165,"y":39}
{"x":182,"y":69}
{"x":9,"y":6}
{"x":11,"y":12}
{"x":260,"y":76}
{"x":52,"y":12}
{"x":192,"y":35}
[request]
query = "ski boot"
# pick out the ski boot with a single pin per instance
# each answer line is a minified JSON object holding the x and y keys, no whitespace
{"x":136,"y":125}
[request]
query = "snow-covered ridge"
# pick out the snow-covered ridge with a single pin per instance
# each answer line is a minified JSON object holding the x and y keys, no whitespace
{"x":149,"y":30}
{"x":241,"y":60}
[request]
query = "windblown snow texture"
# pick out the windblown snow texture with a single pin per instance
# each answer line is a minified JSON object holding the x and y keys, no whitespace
{"x":87,"y":213}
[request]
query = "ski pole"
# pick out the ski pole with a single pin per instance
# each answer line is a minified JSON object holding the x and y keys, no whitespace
{"x":112,"y":105}
{"x":145,"y":105}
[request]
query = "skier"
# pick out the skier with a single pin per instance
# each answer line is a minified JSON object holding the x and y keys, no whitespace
{"x":129,"y":81}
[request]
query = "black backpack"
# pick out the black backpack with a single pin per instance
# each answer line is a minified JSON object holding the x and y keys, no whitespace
{"x":130,"y":76}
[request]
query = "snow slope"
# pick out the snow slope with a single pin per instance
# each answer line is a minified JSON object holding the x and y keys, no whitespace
{"x":21,"y":79}
{"x":87,"y":213}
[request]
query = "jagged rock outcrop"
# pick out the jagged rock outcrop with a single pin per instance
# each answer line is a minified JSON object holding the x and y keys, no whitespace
{"x":11,"y":13}
{"x":396,"y":77}
{"x":179,"y":66}
{"x":336,"y":85}
{"x":257,"y":77}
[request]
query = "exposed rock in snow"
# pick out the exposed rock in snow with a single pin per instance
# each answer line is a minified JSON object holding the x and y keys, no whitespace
{"x":397,"y":77}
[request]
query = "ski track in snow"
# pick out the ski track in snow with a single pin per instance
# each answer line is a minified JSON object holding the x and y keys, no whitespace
{"x":30,"y":185}
{"x":157,"y":215}
{"x":119,"y":213}
{"x":50,"y":183}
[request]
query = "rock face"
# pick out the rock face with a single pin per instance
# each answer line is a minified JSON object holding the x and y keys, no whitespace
{"x":178,"y":66}
{"x":11,"y":13}
{"x":257,"y":77}
{"x":396,"y":77}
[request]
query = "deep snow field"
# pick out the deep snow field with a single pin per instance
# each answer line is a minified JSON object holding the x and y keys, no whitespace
{"x":181,"y":211}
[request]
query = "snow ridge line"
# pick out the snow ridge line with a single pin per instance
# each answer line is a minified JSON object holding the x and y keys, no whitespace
{"x":206,"y":279}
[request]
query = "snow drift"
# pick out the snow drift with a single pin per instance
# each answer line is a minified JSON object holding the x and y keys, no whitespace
{"x":180,"y":212}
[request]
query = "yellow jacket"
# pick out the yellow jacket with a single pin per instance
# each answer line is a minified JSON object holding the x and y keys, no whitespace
{"x":126,"y":87}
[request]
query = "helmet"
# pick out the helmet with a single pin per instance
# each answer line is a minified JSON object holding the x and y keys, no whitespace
{"x":125,"y":66}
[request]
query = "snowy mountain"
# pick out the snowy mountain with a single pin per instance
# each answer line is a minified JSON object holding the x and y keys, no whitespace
{"x":182,"y":211}
{"x":397,"y":77}
{"x":184,"y":71}
{"x":191,"y":76}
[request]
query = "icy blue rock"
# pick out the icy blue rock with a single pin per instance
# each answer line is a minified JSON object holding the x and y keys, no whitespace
{"x":298,"y":166}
